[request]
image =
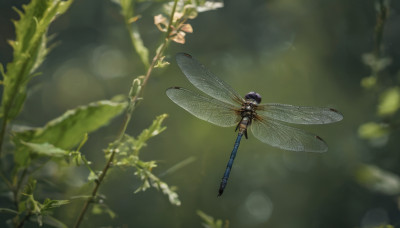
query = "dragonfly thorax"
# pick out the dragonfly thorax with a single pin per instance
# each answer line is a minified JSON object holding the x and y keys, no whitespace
{"x":247,"y":112}
{"x":248,"y":109}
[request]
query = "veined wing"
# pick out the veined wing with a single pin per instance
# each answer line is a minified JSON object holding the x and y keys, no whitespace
{"x":299,"y":114}
{"x":285,"y":137}
{"x":206,"y":81}
{"x":205,"y":108}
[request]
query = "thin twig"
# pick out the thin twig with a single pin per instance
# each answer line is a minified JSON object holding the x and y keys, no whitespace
{"x":8,"y":183}
{"x":127,"y":118}
{"x":26,"y":217}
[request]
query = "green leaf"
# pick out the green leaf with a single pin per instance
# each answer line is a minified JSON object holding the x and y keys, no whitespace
{"x":377,"y":134}
{"x":46,"y":149}
{"x":210,"y":222}
{"x":136,"y":86}
{"x":372,"y":130}
{"x":161,"y":63}
{"x":29,"y":51}
{"x":67,"y":131}
{"x":127,"y":11}
{"x":92,"y":176}
{"x":99,"y":209}
{"x":29,"y":205}
{"x":49,"y":204}
{"x":128,"y":155}
{"x":203,"y":6}
{"x":368,"y":82}
{"x":389,"y":102}
{"x":7,"y":210}
{"x":149,"y":179}
{"x":30,"y":187}
{"x":129,"y":144}
{"x":170,"y":192}
{"x":137,"y":42}
{"x":53,"y":222}
{"x":375,"y":63}
{"x":376,"y":179}
{"x":150,"y":132}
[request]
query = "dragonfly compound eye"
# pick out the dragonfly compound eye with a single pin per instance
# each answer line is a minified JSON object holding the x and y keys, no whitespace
{"x":254,"y":96}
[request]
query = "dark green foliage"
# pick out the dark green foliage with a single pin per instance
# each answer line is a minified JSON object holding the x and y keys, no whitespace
{"x":30,"y":49}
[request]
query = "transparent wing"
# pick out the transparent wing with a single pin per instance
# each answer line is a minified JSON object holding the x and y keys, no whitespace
{"x":206,"y":81}
{"x":287,"y":138}
{"x":299,"y":114}
{"x":205,"y":108}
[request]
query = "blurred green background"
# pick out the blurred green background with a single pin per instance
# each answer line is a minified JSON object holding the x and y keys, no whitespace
{"x":294,"y":52}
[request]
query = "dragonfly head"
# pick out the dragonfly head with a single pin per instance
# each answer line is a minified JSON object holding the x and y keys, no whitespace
{"x":253,"y":96}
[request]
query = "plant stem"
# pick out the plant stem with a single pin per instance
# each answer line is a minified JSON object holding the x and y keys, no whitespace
{"x":383,"y":12}
{"x":134,"y":99}
{"x":21,"y":223}
{"x":128,"y":115}
{"x":96,"y":187}
{"x":16,"y":193}
{"x":9,"y":185}
{"x":2,"y":132}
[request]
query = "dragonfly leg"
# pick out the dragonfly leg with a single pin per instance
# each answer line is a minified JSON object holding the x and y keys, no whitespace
{"x":237,"y":127}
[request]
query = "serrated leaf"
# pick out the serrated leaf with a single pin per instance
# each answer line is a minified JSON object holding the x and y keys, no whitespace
{"x":67,"y":131}
{"x":172,"y":195}
{"x":149,"y":179}
{"x":128,"y":155}
{"x":152,"y":131}
{"x":29,"y":51}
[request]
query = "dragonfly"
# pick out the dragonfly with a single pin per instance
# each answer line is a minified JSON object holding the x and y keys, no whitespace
{"x":268,"y":122}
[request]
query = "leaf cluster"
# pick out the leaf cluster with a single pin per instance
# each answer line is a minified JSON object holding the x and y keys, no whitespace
{"x":61,"y":140}
{"x":383,"y":86}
